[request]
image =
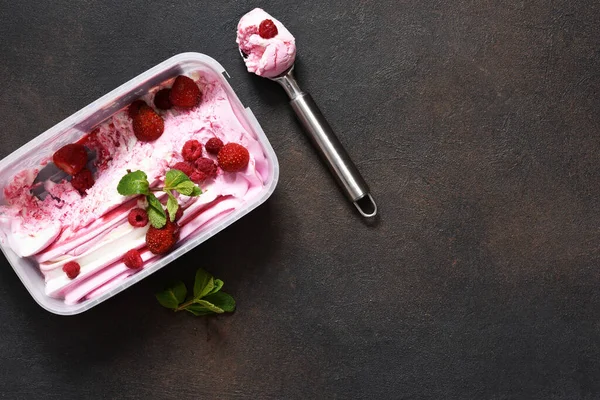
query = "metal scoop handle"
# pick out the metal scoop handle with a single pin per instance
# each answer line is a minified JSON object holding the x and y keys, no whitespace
{"x":328,"y":145}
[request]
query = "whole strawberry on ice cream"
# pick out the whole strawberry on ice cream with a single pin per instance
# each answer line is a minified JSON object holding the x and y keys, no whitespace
{"x":269,"y":48}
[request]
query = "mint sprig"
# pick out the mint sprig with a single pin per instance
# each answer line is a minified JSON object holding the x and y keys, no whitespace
{"x":206,"y":299}
{"x":136,"y":183}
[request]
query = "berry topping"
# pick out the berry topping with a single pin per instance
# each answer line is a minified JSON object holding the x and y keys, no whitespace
{"x":70,"y":158}
{"x":192,"y":149}
{"x":71,"y":269}
{"x":185,"y":167}
{"x":267,"y":29}
{"x":160,"y":241}
{"x":83,"y":180}
{"x":233,"y":157}
{"x":134,"y":108}
{"x":207,"y":166}
{"x":161,"y":99}
{"x":185,"y":92}
{"x":147,"y":124}
{"x":132,"y":259}
{"x":138,"y":217}
{"x":213,"y":145}
{"x":197,"y":176}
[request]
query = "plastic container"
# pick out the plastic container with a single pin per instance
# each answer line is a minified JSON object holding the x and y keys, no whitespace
{"x":72,"y":128}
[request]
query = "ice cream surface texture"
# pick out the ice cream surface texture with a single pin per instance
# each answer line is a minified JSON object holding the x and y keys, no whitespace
{"x":268,"y":52}
{"x":92,"y":228}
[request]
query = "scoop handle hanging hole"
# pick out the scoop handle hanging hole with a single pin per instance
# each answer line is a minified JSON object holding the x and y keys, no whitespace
{"x":366,"y":206}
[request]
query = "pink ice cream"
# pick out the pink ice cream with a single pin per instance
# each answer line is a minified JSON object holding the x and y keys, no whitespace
{"x":265,"y":57}
{"x":93,"y":230}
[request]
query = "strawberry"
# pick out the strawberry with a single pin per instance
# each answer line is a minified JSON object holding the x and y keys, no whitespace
{"x":267,"y":29}
{"x":207,"y":166}
{"x":132,"y":259}
{"x":185,"y":92}
{"x":192,"y":149}
{"x":147,"y":124}
{"x":134,"y":108}
{"x":70,"y":158}
{"x":160,"y":241}
{"x":138,"y":217}
{"x":185,"y":167}
{"x":83,"y":180}
{"x":161,"y":99}
{"x":233,"y":157}
{"x":72,"y":269}
{"x":213,"y":145}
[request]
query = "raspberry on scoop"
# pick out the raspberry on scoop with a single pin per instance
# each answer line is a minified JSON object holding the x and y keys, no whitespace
{"x":184,"y":92}
{"x":192,"y":150}
{"x":70,"y":158}
{"x":267,"y":29}
{"x":72,"y":269}
{"x":233,"y":157}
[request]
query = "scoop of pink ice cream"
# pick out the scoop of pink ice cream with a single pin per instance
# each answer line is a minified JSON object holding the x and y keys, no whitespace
{"x":265,"y":57}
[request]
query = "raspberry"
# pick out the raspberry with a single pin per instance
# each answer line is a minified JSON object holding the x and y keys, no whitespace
{"x":147,"y":124}
{"x":185,"y":92}
{"x":83,"y":180}
{"x":134,"y":108}
{"x":233,"y":157}
{"x":185,"y":167}
{"x":72,"y":269}
{"x":132,"y":259}
{"x":161,"y":99}
{"x":267,"y":29}
{"x":192,"y":149}
{"x":207,"y":166}
{"x":70,"y":158}
{"x":198,"y":176}
{"x":213,"y":145}
{"x":160,"y":241}
{"x":138,"y":217}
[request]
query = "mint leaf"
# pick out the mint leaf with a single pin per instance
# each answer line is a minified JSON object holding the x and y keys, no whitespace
{"x":197,"y":310}
{"x":218,"y":285}
{"x":179,"y":290}
{"x":203,"y":283}
{"x":134,"y":183}
{"x":196,"y":192}
{"x":156,"y":213}
{"x":186,"y":188}
{"x":210,"y":306}
{"x":174,"y":177}
{"x":222,"y":300}
{"x":172,"y":296}
{"x":172,"y":207}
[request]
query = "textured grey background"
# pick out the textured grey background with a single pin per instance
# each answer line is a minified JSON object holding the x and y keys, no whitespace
{"x":476,"y":124}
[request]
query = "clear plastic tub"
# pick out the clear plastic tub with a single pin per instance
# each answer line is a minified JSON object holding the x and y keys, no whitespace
{"x":73,"y":127}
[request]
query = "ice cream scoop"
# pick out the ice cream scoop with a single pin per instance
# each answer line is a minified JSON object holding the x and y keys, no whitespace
{"x":269,"y":50}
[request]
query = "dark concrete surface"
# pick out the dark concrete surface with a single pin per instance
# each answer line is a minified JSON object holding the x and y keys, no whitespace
{"x":476,"y":124}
